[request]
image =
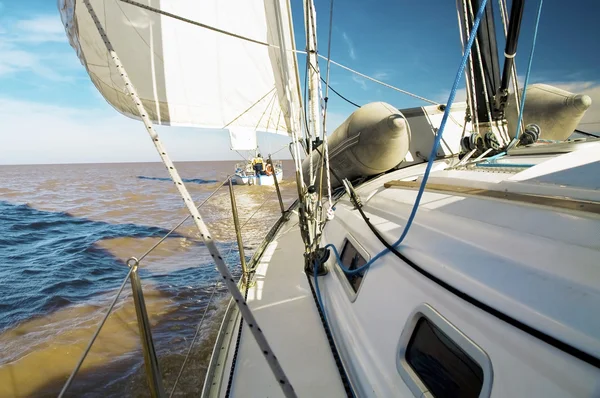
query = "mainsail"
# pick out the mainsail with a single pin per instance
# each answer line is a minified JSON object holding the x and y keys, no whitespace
{"x":187,"y":75}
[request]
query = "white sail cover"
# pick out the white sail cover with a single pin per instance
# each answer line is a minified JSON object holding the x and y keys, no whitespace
{"x":242,"y":139}
{"x":188,"y":75}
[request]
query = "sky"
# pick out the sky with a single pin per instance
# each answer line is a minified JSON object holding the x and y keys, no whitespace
{"x":50,"y":112}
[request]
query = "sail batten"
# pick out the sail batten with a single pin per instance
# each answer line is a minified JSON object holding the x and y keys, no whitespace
{"x":188,"y":75}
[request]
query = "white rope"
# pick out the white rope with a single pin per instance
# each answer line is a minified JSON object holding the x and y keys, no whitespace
{"x":227,"y":278}
{"x":484,"y":82}
{"x":481,"y":70}
{"x":280,"y":149}
{"x":468,"y":86}
{"x":380,"y":82}
{"x":314,"y":89}
{"x":330,"y":214}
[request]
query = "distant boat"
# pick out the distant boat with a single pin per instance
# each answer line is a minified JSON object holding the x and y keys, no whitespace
{"x":244,"y":140}
{"x":245,"y":174}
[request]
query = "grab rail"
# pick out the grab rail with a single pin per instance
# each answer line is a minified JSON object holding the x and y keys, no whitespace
{"x":152,"y":367}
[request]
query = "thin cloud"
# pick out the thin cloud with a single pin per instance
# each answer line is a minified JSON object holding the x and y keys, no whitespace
{"x":350,"y":45}
{"x":361,"y":82}
{"x":442,"y":98}
{"x":21,"y":51}
{"x":39,"y":29}
{"x":16,"y":60}
{"x":381,"y":75}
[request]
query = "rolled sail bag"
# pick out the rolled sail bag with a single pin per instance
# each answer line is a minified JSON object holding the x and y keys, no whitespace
{"x":374,"y":139}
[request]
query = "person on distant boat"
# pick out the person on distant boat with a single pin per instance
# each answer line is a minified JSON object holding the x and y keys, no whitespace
{"x":258,"y":164}
{"x":269,"y":168}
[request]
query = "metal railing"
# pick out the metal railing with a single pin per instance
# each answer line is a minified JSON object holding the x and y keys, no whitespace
{"x":151,"y":362}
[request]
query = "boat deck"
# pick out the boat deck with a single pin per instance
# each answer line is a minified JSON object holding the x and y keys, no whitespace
{"x":286,"y":311}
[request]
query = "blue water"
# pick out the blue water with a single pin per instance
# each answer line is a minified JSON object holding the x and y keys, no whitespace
{"x":185,"y":180}
{"x":51,"y":259}
{"x":66,"y":232}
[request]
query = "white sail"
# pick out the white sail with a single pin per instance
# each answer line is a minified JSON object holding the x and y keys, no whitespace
{"x":242,"y":139}
{"x":188,"y":75}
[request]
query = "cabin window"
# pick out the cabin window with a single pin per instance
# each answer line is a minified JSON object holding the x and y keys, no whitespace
{"x":352,"y":259}
{"x":441,"y":364}
{"x":437,"y":360}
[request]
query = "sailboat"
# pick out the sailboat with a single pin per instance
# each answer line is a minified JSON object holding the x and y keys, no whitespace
{"x":246,"y":173}
{"x":449,"y":250}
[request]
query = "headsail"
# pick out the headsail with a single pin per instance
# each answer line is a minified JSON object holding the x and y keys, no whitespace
{"x":188,"y":75}
{"x":242,"y":139}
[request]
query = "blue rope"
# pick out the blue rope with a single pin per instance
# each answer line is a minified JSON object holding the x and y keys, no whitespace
{"x":501,"y":154}
{"x":522,"y":106}
{"x":432,"y":155}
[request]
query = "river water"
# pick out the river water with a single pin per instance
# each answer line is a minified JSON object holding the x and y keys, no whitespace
{"x":66,"y":232}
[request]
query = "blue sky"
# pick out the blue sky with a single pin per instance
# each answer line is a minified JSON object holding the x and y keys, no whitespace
{"x":51,"y":113}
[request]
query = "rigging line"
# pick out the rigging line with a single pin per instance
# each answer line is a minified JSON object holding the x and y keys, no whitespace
{"x":535,"y":32}
{"x":319,"y":102}
{"x":195,"y":336}
{"x":379,"y":81}
{"x":513,"y":70}
{"x":340,"y":95}
{"x":251,"y":106}
{"x":265,"y":111}
{"x":242,"y":156}
{"x":138,"y":33}
{"x":93,"y":339}
{"x":328,"y":65}
{"x":482,"y":71}
{"x":280,"y":149}
{"x":325,"y":159}
{"x":310,"y":94}
{"x":271,"y":114}
{"x":470,"y":106}
{"x":202,"y":25}
{"x":306,"y":128}
{"x":474,"y":113}
{"x":585,"y":132}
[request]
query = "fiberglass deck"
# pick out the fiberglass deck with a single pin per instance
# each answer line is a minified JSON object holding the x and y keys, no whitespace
{"x":282,"y":302}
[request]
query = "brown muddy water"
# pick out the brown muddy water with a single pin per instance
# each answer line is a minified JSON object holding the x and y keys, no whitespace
{"x":66,"y":232}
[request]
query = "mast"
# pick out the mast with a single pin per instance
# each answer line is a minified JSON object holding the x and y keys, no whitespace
{"x":510,"y":51}
{"x":313,"y":110}
{"x":486,"y":84}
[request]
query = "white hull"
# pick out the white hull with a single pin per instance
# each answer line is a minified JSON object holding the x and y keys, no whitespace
{"x":257,"y":180}
{"x":535,"y":262}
